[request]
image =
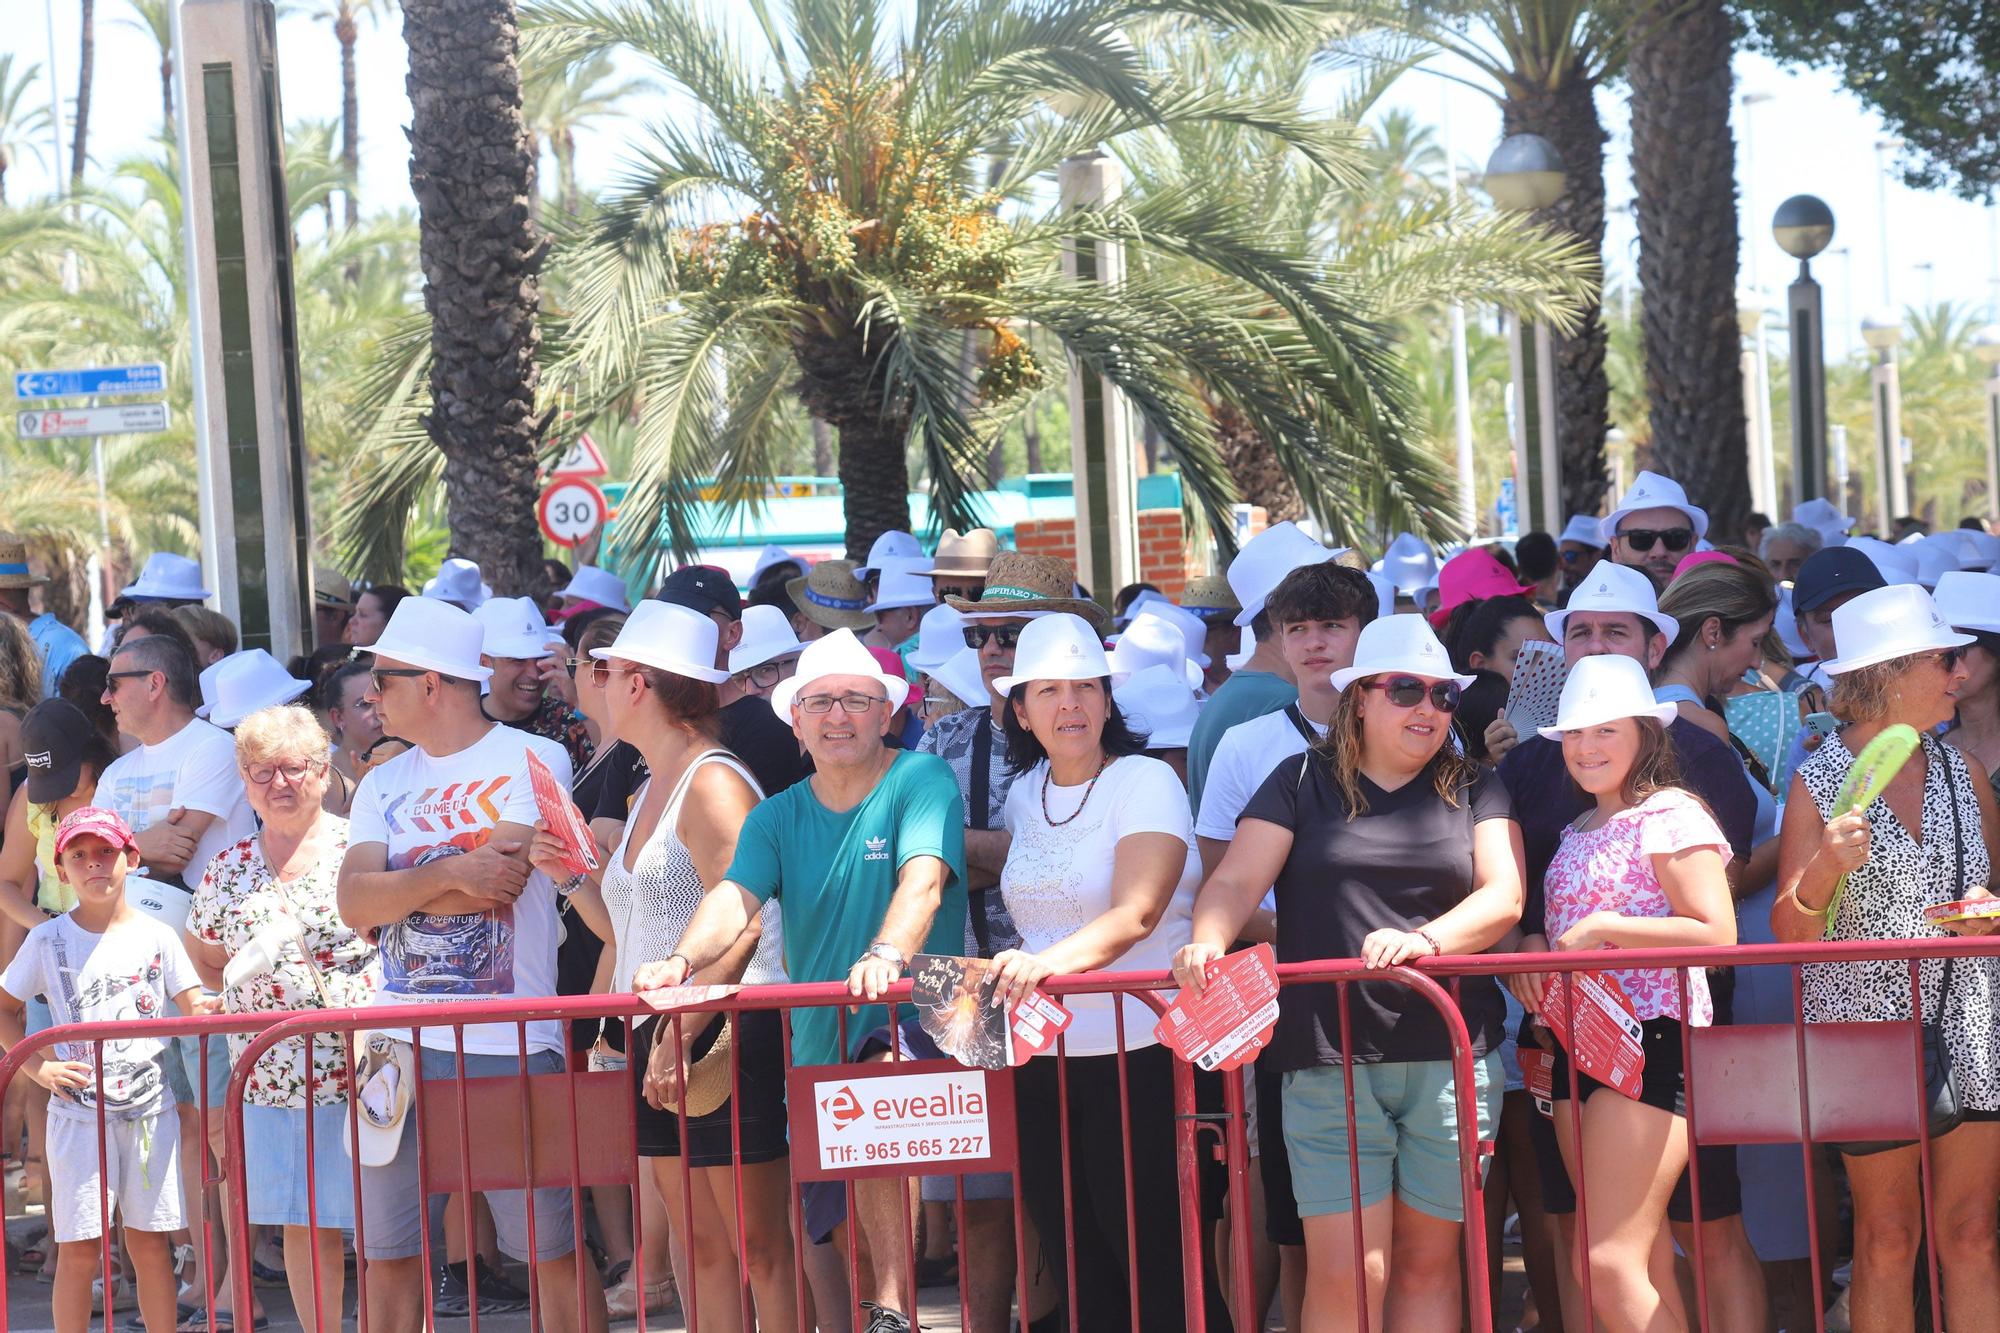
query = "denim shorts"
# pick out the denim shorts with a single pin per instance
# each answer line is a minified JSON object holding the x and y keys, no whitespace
{"x":274,"y":1143}
{"x":1406,"y":1122}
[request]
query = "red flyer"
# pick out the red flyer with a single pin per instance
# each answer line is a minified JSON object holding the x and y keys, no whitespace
{"x":954,"y":999}
{"x":560,"y":814}
{"x":1965,"y":909}
{"x":1608,"y":1040}
{"x":1226,"y":1025}
{"x":1538,"y":1071}
{"x":679,"y":997}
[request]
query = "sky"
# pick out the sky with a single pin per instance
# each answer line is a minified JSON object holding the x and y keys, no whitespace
{"x":1806,"y":136}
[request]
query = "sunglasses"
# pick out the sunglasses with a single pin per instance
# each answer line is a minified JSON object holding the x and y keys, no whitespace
{"x":1571,"y":557}
{"x":1949,"y":658}
{"x":125,"y":675}
{"x":375,"y":749}
{"x":380,"y":674}
{"x":849,"y":703}
{"x":1408,"y":692}
{"x":1642,"y":539}
{"x":1004,"y":635}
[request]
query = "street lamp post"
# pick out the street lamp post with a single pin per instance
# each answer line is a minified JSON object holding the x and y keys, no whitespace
{"x":1803,"y":226}
{"x":1882,"y":331}
{"x":1756,"y":423}
{"x":1986,"y":344}
{"x":1525,"y":175}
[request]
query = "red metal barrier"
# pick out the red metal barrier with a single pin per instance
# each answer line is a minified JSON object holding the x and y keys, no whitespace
{"x":575,"y":1129}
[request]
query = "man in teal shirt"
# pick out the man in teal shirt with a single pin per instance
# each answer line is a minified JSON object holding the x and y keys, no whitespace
{"x":867,"y":861}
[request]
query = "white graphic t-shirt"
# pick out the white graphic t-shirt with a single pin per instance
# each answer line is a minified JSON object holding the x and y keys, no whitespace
{"x":128,"y":972}
{"x":422,"y":807}
{"x":195,"y":768}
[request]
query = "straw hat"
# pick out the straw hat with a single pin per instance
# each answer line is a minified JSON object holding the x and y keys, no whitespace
{"x":1900,"y":620}
{"x":1018,"y":583}
{"x":1603,"y":688}
{"x":1650,"y":490}
{"x":831,"y":594}
{"x":964,"y":555}
{"x":1399,"y":645}
{"x":1210,"y":597}
{"x":14,"y":563}
{"x":1058,"y":647}
{"x":332,"y":588}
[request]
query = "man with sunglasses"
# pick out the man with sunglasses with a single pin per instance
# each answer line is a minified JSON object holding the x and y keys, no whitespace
{"x":1653,"y":527}
{"x":1581,"y":546}
{"x":437,"y":867}
{"x":867,"y":861}
{"x":1616,"y":611}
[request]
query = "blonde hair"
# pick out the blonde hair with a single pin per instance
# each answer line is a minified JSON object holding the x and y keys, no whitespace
{"x":1735,"y":595}
{"x":1864,"y":694}
{"x":283,"y":731}
{"x":1341,"y":749}
{"x":20,"y":666}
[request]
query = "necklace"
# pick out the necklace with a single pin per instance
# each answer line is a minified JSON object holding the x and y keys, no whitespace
{"x":1089,"y":787}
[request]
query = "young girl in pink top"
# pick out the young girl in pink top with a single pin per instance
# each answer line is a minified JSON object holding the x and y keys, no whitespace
{"x":1642,"y":869}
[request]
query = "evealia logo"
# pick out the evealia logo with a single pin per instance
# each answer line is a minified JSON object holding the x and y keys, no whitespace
{"x":912,"y":1100}
{"x":843,"y":1108}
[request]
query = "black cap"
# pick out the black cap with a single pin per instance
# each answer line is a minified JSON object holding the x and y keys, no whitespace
{"x":53,"y":734}
{"x":1835,"y":571}
{"x":703,"y":588}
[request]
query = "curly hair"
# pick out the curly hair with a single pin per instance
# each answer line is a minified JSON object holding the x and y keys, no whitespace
{"x":1341,"y":749}
{"x":1865,"y":693}
{"x":20,"y":666}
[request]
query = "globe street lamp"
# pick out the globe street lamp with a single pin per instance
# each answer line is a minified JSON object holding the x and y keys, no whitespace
{"x":1986,"y":346}
{"x":1525,"y":175}
{"x":1882,"y":331}
{"x":1803,"y":227}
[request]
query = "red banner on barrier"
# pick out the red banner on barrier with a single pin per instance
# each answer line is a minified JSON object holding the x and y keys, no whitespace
{"x":903,"y":1118}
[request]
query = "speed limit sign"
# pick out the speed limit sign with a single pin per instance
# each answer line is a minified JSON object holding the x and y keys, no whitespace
{"x":570,"y":511}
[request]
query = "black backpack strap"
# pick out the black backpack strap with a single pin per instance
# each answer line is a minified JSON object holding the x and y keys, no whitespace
{"x":976,"y":815}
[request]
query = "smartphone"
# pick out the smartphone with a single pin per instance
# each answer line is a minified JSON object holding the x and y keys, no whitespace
{"x":1822,"y":725}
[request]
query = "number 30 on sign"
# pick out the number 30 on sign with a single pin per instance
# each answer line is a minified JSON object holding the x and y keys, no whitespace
{"x":570,"y":510}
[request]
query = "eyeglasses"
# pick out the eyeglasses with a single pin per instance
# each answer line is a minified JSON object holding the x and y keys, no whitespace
{"x":295,"y":771}
{"x":380,"y":674}
{"x":764,"y":675}
{"x":370,"y":753}
{"x":602,"y":671}
{"x":1642,"y":539}
{"x":1004,"y":635}
{"x":1408,"y":692}
{"x":849,"y":703}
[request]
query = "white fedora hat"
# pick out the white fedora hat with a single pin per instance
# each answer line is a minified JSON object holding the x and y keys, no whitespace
{"x":767,"y":633}
{"x":1385,"y":594}
{"x":1159,"y":703}
{"x":1969,"y":601}
{"x":458,"y":582}
{"x":434,"y":635}
{"x":591,"y":584}
{"x":774,"y":555}
{"x":836,"y":654}
{"x":1246,"y":648}
{"x":1265,"y":560}
{"x":1900,"y":620}
{"x":207,"y":681}
{"x":1603,"y":688}
{"x":514,"y":628}
{"x":1409,"y":563}
{"x":1193,"y":628}
{"x":1823,"y":517}
{"x":667,"y":637}
{"x":903,"y":584}
{"x":961,"y":674}
{"x":1058,"y":647}
{"x":249,"y":681}
{"x":940,"y":637}
{"x":1153,"y":640}
{"x":1986,"y":550}
{"x":1619,"y":590}
{"x":1584,"y":531}
{"x":1399,"y":645}
{"x":891,"y":545}
{"x":168,"y":576}
{"x":1650,"y":490}
{"x":1897,"y":565}
{"x":1935,"y":559}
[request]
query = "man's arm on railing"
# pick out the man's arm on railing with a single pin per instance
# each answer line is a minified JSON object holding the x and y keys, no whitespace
{"x":370,"y":895}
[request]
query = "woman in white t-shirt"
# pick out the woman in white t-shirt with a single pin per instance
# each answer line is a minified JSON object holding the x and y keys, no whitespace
{"x":1101,"y":875}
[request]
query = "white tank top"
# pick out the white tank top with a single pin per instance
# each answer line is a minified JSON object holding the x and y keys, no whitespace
{"x":652,"y":903}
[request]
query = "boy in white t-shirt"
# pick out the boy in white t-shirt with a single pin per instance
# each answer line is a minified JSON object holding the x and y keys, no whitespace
{"x":105,"y":962}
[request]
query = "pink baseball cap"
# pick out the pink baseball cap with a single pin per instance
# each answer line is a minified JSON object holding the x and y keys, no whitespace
{"x":1474,"y":576}
{"x":94,"y":821}
{"x":1693,"y":558}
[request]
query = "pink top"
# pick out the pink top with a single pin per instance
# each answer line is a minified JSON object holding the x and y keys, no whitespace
{"x":1610,"y":869}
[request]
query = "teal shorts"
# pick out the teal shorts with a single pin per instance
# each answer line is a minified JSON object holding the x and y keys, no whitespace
{"x":1406,"y":1118}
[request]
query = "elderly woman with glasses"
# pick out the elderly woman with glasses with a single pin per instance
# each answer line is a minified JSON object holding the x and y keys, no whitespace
{"x":1932,"y":837}
{"x":264,"y":927}
{"x":1383,"y":843}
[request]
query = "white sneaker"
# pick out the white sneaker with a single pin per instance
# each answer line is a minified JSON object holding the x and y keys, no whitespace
{"x":121,"y":1293}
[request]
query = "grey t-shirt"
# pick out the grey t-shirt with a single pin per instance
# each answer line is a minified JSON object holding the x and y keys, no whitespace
{"x":956,"y":739}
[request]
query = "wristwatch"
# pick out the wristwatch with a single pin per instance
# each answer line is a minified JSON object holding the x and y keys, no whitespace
{"x":889,"y":954}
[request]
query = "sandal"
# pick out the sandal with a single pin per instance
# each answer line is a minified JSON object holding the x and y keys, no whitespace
{"x":622,"y":1301}
{"x":225,"y":1322}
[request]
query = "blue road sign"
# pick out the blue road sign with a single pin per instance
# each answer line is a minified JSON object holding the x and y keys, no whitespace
{"x":147,"y":377}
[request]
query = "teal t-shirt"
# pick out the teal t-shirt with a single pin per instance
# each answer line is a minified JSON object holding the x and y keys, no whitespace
{"x":1245,"y":695}
{"x":834,"y":873}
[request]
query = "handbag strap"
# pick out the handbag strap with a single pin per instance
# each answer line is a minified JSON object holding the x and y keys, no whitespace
{"x":1958,"y":858}
{"x":976,"y":814}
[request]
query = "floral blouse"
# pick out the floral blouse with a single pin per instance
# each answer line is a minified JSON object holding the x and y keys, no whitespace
{"x":240,"y":896}
{"x":1610,"y":869}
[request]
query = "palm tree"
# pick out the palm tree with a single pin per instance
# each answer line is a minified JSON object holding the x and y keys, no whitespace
{"x":559,"y":100}
{"x":473,"y":177}
{"x":22,"y":122}
{"x":155,"y":18}
{"x":86,"y":60}
{"x":345,"y":15}
{"x":1684,"y":168}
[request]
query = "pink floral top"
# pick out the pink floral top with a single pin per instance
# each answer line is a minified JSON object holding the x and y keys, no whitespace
{"x":1610,"y":869}
{"x":239,"y":896}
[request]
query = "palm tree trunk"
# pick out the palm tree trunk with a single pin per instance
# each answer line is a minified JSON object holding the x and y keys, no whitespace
{"x":345,"y":31}
{"x":86,"y":58}
{"x":1567,"y":117}
{"x":822,"y":436}
{"x":838,"y":385}
{"x":1252,"y":462}
{"x":1683,"y":164}
{"x":473,"y":177}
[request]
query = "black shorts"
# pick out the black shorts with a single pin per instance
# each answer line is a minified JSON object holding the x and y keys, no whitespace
{"x":1281,"y":1208}
{"x":760,"y":1096}
{"x":1662,"y":1083}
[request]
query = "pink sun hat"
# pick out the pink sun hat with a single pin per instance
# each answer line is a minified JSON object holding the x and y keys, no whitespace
{"x":1474,"y":576}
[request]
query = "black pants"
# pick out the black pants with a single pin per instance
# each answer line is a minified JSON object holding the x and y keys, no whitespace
{"x":1096,"y":1249}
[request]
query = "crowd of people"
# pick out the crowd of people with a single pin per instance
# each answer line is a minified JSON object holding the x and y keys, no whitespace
{"x":961,"y":751}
